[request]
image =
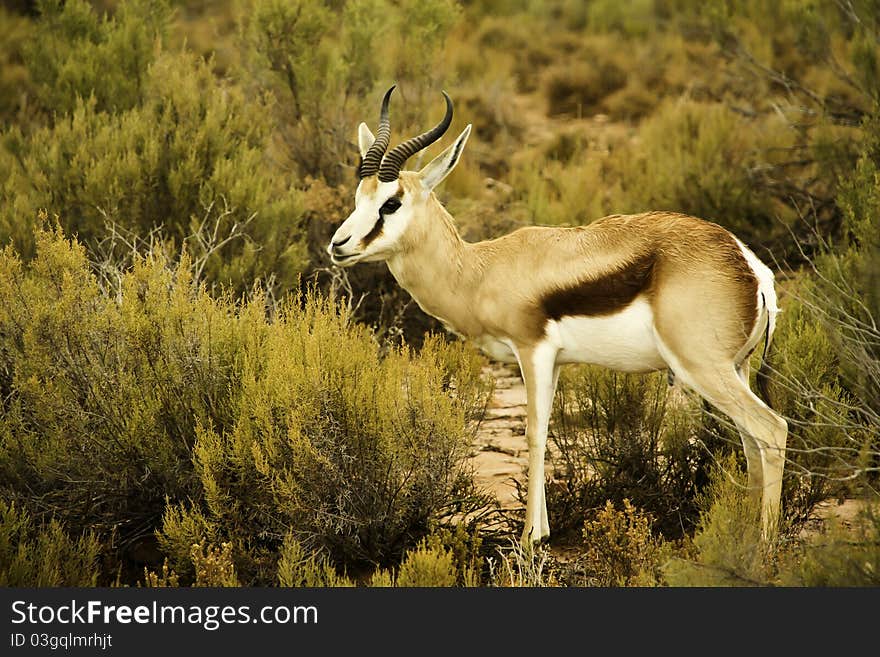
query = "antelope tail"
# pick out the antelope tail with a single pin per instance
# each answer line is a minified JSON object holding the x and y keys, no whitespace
{"x":762,"y":376}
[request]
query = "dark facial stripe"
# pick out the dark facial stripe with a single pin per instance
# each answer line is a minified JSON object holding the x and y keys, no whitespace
{"x":602,"y":296}
{"x":375,"y":231}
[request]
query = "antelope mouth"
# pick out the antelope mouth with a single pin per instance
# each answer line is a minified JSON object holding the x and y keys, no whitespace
{"x":343,"y":260}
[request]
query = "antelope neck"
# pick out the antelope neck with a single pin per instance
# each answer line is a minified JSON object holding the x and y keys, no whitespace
{"x":436,"y":267}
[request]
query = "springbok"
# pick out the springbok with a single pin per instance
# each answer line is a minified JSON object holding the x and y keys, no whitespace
{"x":634,"y":293}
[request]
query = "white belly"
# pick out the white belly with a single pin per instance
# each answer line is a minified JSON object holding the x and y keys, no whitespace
{"x":497,"y":349}
{"x":623,"y":341}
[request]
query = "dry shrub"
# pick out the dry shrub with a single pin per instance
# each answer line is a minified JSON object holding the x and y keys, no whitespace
{"x":559,"y":193}
{"x":840,"y":555}
{"x":160,"y":407}
{"x":522,"y":566}
{"x":631,"y":103}
{"x":622,"y":436}
{"x":446,"y":558}
{"x":44,"y":554}
{"x":298,"y":568}
{"x":636,"y":18}
{"x":727,"y":546}
{"x":578,"y":89}
{"x":425,"y":566}
{"x":621,"y":549}
{"x":165,"y":578}
{"x":213,"y":565}
{"x":705,"y":160}
{"x":15,"y":85}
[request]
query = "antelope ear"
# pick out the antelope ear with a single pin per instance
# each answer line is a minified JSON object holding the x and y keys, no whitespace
{"x":365,"y":138}
{"x":441,"y":166}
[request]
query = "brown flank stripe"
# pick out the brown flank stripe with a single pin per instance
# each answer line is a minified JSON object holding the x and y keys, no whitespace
{"x":601,"y":296}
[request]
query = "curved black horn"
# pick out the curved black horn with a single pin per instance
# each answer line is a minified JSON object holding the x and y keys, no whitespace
{"x":373,"y":158}
{"x":391,"y":164}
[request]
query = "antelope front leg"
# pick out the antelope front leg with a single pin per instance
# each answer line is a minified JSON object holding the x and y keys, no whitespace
{"x":539,"y":371}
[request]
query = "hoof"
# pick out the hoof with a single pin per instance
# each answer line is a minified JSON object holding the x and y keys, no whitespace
{"x":534,"y":537}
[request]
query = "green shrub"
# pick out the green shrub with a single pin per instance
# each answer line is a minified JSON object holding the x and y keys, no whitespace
{"x":298,"y":568}
{"x":578,"y":90}
{"x":824,"y":442}
{"x":425,"y":566}
{"x":840,"y":556}
{"x":188,"y":160}
{"x":15,"y":84}
{"x":634,"y":19}
{"x":703,"y":159}
{"x":166,"y":409}
{"x":552,"y":189}
{"x":33,"y":554}
{"x":213,"y":565}
{"x":76,"y":54}
{"x":728,"y":550}
{"x":849,"y":278}
{"x":446,"y":558}
{"x":167,"y":146}
{"x":620,"y":436}
{"x":620,"y":547}
{"x":101,"y":396}
{"x":829,"y":362}
{"x":323,"y":68}
{"x":355,"y":453}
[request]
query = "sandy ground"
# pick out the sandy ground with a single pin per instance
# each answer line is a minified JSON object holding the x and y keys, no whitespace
{"x":500,"y":454}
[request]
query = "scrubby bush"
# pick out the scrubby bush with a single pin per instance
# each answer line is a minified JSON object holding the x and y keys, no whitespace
{"x":101,"y":396}
{"x":727,"y":545}
{"x":323,"y":67}
{"x":636,"y":18}
{"x":620,"y":437}
{"x":44,"y":554}
{"x":703,"y":159}
{"x":187,"y":159}
{"x":849,"y":277}
{"x":522,"y":566}
{"x":296,"y":567}
{"x":578,"y":90}
{"x":76,"y":54}
{"x":840,"y":556}
{"x":824,"y":440}
{"x":354,"y":453}
{"x":15,"y":33}
{"x":167,"y":410}
{"x":620,"y":548}
{"x":425,"y":566}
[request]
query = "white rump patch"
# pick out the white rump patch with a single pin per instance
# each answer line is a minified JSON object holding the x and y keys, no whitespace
{"x":765,"y":300}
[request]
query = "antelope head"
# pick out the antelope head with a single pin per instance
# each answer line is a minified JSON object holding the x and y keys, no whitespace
{"x":390,"y":204}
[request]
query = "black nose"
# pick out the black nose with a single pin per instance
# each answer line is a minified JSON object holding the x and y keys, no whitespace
{"x":336,"y":245}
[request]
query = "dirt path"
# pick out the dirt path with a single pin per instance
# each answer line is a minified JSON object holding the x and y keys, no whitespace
{"x":500,"y":453}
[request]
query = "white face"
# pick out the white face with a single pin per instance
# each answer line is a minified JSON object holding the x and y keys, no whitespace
{"x":371,"y":233}
{"x":383,"y":211}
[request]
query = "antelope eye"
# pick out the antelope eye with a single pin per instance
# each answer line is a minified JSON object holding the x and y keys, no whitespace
{"x":390,"y":206}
